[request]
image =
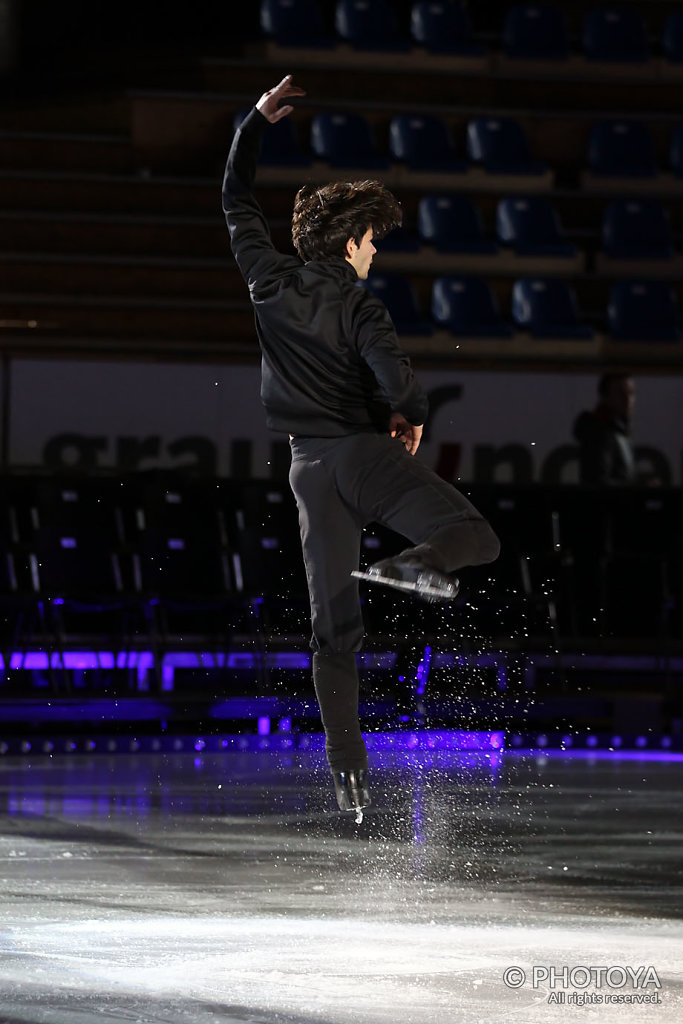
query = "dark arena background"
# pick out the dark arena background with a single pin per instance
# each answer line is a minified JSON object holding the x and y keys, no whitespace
{"x":170,"y":848}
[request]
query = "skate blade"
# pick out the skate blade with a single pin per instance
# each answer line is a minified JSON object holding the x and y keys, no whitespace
{"x":423,"y":590}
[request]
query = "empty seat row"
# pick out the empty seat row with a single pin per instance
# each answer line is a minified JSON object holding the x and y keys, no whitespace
{"x":613,"y":33}
{"x":528,"y":224}
{"x":620,"y":147}
{"x":146,"y":556}
{"x":566,"y":538}
{"x":631,"y":228}
{"x":148,"y":516}
{"x":547,"y":308}
{"x":530,"y":31}
{"x":421,"y":142}
{"x":368,"y":25}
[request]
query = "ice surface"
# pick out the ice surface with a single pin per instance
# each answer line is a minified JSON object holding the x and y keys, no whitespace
{"x":146,"y":889}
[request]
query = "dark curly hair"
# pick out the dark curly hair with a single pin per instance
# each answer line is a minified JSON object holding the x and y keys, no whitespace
{"x":325,"y":217}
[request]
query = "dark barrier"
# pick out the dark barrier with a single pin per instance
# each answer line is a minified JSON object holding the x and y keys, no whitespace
{"x":165,"y":559}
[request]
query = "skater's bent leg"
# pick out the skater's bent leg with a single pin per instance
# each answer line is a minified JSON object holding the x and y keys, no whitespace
{"x":448,"y":531}
{"x":464,"y":542}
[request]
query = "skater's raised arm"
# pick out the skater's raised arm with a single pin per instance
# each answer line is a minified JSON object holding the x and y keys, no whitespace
{"x":250,"y":238}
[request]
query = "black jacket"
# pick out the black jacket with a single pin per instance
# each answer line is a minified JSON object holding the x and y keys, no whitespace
{"x":605,"y":451}
{"x":331,"y":362}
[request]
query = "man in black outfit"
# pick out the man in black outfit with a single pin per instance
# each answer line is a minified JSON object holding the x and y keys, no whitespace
{"x":604,"y":433}
{"x":335,"y":379}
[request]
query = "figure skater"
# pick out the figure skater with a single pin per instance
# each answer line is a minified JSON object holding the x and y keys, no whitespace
{"x":334,"y":378}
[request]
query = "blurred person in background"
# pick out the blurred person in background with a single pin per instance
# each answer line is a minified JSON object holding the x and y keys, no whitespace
{"x":604,"y":434}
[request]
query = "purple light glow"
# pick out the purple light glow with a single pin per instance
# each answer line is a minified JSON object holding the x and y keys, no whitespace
{"x":452,"y":739}
{"x":167,"y":672}
{"x":264,"y":726}
{"x":605,"y":755}
{"x":423,"y":672}
{"x":28,"y":660}
{"x":246,"y":660}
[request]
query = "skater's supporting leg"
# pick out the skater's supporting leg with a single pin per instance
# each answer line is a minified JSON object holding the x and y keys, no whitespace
{"x":336,"y":686}
{"x":330,"y":538}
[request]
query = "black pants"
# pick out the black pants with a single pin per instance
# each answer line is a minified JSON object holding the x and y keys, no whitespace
{"x":341,"y":484}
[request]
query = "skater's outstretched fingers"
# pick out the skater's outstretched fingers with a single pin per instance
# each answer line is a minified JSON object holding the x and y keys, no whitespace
{"x":269,"y":102}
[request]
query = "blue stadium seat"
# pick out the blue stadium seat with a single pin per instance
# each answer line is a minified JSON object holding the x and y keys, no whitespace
{"x":676,"y":151}
{"x":369,"y":25}
{"x":280,"y":147}
{"x":345,"y":140}
{"x":622,"y":149}
{"x":547,"y":308}
{"x":642,"y":311}
{"x":294,"y":23}
{"x":397,"y":294}
{"x":535,"y":32}
{"x":444,"y":28}
{"x":400,"y":239}
{"x":672,"y":37}
{"x":637,"y":229}
{"x":467,"y":306}
{"x":423,"y":142}
{"x":615,"y":34}
{"x":532,"y":227}
{"x":499,"y":143}
{"x":452,"y":224}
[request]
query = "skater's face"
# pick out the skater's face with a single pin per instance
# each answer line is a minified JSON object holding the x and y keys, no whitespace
{"x":360,"y":256}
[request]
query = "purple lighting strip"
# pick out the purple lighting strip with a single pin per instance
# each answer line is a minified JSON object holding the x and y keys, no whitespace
{"x":281,"y":741}
{"x":443,"y":739}
{"x":599,"y":754}
{"x":144,"y":661}
{"x":422,"y":674}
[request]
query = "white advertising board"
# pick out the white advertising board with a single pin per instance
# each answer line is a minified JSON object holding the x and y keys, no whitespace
{"x":483,"y":425}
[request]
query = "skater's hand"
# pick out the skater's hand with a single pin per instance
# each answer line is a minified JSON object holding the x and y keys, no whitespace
{"x":406,"y":432}
{"x":268,"y":104}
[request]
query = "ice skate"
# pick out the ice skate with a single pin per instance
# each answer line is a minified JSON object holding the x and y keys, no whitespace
{"x":352,"y":791}
{"x":411,"y":575}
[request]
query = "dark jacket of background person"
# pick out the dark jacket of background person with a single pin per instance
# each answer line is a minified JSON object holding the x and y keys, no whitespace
{"x":331,"y":362}
{"x":605,"y":449}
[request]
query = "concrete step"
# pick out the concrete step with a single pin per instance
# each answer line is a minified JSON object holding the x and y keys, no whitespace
{"x":65,"y":152}
{"x":91,"y":275}
{"x":56,"y":315}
